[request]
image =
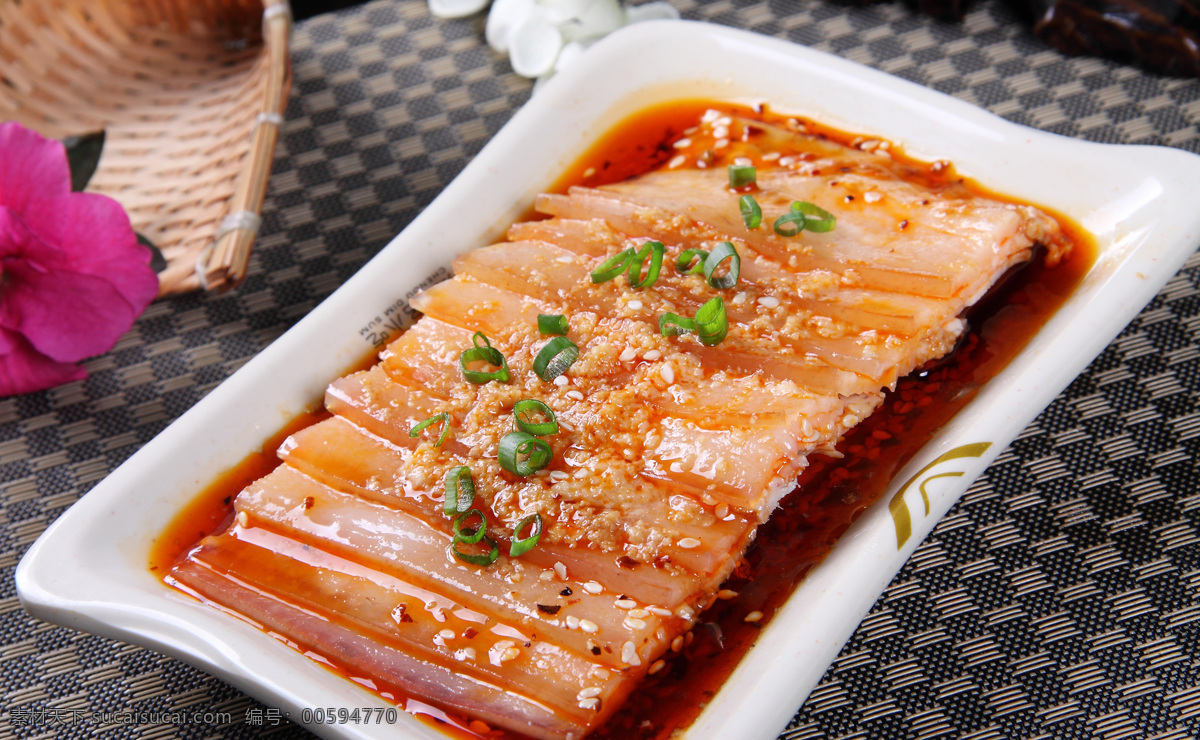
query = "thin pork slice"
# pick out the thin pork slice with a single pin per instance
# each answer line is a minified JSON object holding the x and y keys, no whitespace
{"x":363,"y":654}
{"x":587,"y":620}
{"x":814,"y":292}
{"x":429,"y":626}
{"x":349,"y":459}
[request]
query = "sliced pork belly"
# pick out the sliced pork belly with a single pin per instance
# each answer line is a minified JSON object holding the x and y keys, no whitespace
{"x":472,"y":652}
{"x":668,"y":452}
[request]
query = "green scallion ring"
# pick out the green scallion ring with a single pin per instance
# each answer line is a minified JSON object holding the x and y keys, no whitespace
{"x":483,"y":353}
{"x":521,"y":546}
{"x":711,"y":322}
{"x":741,"y":175}
{"x":469,"y":536}
{"x":751,"y":212}
{"x":612,"y":266}
{"x":484,"y":560}
{"x":521,"y":409}
{"x":553,"y":324}
{"x":653,"y":250}
{"x":442,"y":417}
{"x":790,"y":223}
{"x":460,"y":490}
{"x":724,"y":251}
{"x":555,"y":357}
{"x":672,"y":325}
{"x":523,"y":454}
{"x":685,"y":259}
{"x":816,"y":219}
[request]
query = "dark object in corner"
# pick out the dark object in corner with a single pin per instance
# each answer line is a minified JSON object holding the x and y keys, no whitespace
{"x":1159,"y":35}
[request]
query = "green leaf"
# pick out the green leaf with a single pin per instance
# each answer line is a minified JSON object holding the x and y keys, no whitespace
{"x":83,"y":154}
{"x":158,"y":263}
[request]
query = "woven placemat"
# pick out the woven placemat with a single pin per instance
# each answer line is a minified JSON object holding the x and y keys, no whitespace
{"x":1059,"y":599}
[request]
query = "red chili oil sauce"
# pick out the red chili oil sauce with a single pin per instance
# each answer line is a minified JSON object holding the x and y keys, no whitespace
{"x":832,"y":492}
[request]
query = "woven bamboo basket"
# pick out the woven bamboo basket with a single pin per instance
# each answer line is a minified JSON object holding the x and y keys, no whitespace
{"x":190,"y":94}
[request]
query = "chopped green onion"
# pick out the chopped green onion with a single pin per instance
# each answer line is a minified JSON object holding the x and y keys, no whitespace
{"x":653,"y":250}
{"x":483,"y":353}
{"x":816,"y":219}
{"x":672,"y":325}
{"x":685,"y":258}
{"x":442,"y":417}
{"x":741,"y":175}
{"x":469,"y":536}
{"x":521,"y":410}
{"x":523,"y":454}
{"x":460,"y":490}
{"x":724,"y":251}
{"x":553,"y":324}
{"x":790,"y":223}
{"x":612,"y":266}
{"x":711,"y":323}
{"x":484,"y":560}
{"x":521,"y":546}
{"x":555,"y":357}
{"x":751,"y":212}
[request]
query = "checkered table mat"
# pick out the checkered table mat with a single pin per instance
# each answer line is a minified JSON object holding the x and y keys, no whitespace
{"x":1059,"y":599}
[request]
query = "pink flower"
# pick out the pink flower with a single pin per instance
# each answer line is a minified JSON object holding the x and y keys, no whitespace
{"x":72,"y":276}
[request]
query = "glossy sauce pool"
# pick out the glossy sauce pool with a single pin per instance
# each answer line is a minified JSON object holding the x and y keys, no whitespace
{"x":832,"y":492}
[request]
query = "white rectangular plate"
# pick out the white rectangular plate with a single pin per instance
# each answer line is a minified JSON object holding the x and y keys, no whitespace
{"x":89,"y":569}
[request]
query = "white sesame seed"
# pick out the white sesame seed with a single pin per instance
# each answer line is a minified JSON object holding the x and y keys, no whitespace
{"x":667,"y":373}
{"x":676,"y":161}
{"x":723,"y":121}
{"x":546,"y":576}
{"x":589,"y":692}
{"x":872,"y":197}
{"x":628,"y":354}
{"x":721,"y":143}
{"x":566,"y":259}
{"x":581,"y":473}
{"x":639,"y":613}
{"x":502,"y":652}
{"x":660,"y":611}
{"x":652,"y":355}
{"x":589,"y":172}
{"x":561,"y":570}
{"x":592,"y":703}
{"x":721,"y":132}
{"x":754,"y":616}
{"x":770,"y":156}
{"x":593,"y":588}
{"x":743,"y":161}
{"x":634,"y":305}
{"x":629,"y":654}
{"x":559,"y":475}
{"x":600,"y":673}
{"x":689,"y":543}
{"x":467,"y":653}
{"x":634,"y":623}
{"x":577,"y":395}
{"x":739,"y":299}
{"x":589,"y":626}
{"x":726,"y":594}
{"x":243,"y":519}
{"x":768,"y":301}
{"x":722,"y":508}
{"x":685,"y":612}
{"x":572,"y":622}
{"x":625,"y":603}
{"x":561,"y":380}
{"x":446,"y":634}
{"x":657,"y":666}
{"x":682,"y":144}
{"x":677,"y":644}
